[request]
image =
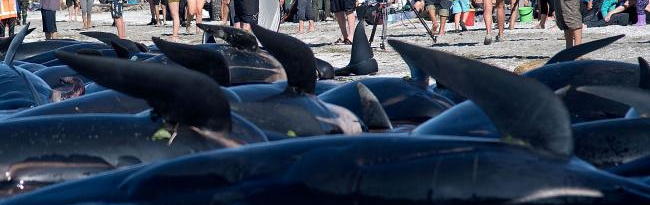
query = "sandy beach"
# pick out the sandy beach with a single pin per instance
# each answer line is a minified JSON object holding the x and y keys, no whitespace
{"x":523,"y":45}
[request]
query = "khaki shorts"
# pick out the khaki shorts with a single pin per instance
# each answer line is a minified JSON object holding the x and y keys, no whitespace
{"x":444,"y":12}
{"x":567,"y":14}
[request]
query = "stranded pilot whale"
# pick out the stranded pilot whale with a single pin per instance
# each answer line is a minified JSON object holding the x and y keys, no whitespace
{"x":197,"y":125}
{"x":381,"y":168}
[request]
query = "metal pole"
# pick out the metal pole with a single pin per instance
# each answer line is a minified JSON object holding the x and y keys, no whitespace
{"x":424,"y":23}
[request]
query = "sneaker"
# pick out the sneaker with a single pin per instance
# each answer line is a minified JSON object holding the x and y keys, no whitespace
{"x":488,"y":40}
{"x":500,"y":38}
{"x":462,"y":26}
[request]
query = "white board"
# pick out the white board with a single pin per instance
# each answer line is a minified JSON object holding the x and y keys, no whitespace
{"x":269,"y":16}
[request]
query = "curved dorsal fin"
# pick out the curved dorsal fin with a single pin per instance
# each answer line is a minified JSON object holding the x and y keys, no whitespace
{"x":6,"y":42}
{"x":295,"y":56}
{"x":235,"y":37}
{"x":206,"y":61}
{"x":575,"y":52}
{"x":15,"y":43}
{"x":374,"y":115}
{"x":361,"y":58}
{"x":524,"y":110}
{"x":637,"y":98}
{"x":179,"y":95}
{"x":644,"y":74}
{"x":103,"y":37}
{"x":120,"y":50}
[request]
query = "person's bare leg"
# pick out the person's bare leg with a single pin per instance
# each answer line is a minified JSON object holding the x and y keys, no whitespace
{"x":121,"y":29}
{"x":152,"y":9}
{"x":514,"y":14}
{"x":432,"y":16}
{"x":340,"y":19}
{"x":577,"y":36}
{"x":351,"y":19}
{"x":225,"y":10}
{"x":176,"y":22}
{"x":246,"y":27}
{"x":84,"y":20}
{"x":199,"y":13}
{"x":301,"y":26}
{"x":90,"y":20}
{"x":191,"y":11}
{"x":501,"y":16}
{"x":70,"y":11}
{"x":457,"y":21}
{"x":443,"y":21}
{"x":542,"y":21}
{"x":618,"y":9}
{"x":487,"y":16}
{"x":312,"y":26}
{"x":164,"y":13}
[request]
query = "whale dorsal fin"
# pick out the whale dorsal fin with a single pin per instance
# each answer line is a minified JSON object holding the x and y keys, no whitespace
{"x":525,"y":111}
{"x":295,"y":56}
{"x":179,"y":95}
{"x":237,"y":38}
{"x":575,"y":52}
{"x":637,"y":98}
{"x":374,"y":115}
{"x":206,"y":61}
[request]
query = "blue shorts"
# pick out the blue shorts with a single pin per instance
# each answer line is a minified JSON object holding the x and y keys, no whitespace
{"x":459,"y":6}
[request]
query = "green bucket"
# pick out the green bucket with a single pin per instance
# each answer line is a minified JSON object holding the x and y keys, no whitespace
{"x":525,"y":14}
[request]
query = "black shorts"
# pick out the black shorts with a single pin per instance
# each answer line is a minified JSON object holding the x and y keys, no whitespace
{"x":116,"y":9}
{"x":342,"y":5}
{"x":246,"y":11}
{"x":70,"y":3}
{"x":49,"y":21}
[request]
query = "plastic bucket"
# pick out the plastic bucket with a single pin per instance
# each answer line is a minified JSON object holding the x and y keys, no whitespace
{"x":525,"y":14}
{"x":470,"y":18}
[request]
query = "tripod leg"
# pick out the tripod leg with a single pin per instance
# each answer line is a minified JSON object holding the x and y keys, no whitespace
{"x":383,"y":29}
{"x":424,"y":23}
{"x":372,"y":34}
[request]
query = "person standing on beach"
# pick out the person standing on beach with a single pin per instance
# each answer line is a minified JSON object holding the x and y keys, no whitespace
{"x":8,"y":17}
{"x":176,"y":21}
{"x":344,"y":12}
{"x":86,"y":9}
{"x":116,"y":13}
{"x":487,"y":17}
{"x":305,"y":13}
{"x":194,"y":11}
{"x":246,"y":13}
{"x":48,"y":15}
{"x":72,"y":9}
{"x":569,"y":19}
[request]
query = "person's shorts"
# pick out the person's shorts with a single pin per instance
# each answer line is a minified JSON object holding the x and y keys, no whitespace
{"x":86,"y":6}
{"x":116,"y":9}
{"x":70,"y":3}
{"x":460,"y":6}
{"x":305,"y":10}
{"x":440,"y":11}
{"x":342,"y":5}
{"x":567,"y":14}
{"x":49,"y":21}
{"x":174,"y":1}
{"x":246,"y":11}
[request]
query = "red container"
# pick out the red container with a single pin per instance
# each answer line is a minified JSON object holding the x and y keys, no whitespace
{"x":470,"y":18}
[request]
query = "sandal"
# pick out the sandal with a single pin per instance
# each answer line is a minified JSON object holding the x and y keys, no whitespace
{"x":347,"y":42}
{"x":338,"y":41}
